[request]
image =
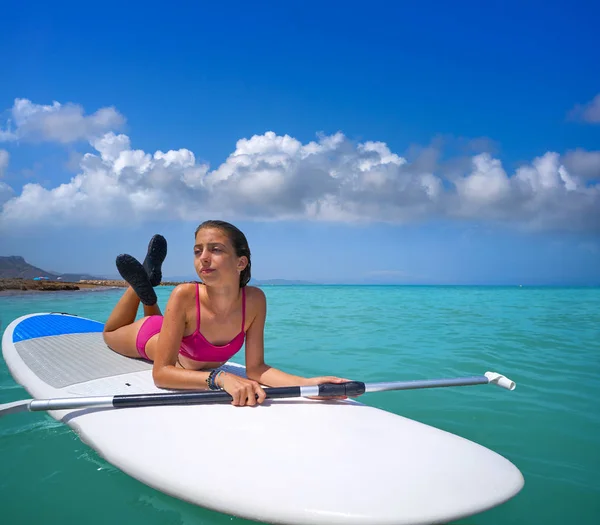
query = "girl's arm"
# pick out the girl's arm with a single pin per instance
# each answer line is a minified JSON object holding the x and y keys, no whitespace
{"x":164,"y":372}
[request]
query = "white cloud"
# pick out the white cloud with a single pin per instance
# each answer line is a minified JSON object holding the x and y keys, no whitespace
{"x":589,"y":112}
{"x":58,"y":123}
{"x":4,"y":156}
{"x":6,"y":193}
{"x":7,"y":135}
{"x":487,"y":183}
{"x":585,"y":163}
{"x":272,"y":177}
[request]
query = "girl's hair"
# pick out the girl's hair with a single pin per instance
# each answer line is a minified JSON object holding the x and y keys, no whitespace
{"x":239,"y":241}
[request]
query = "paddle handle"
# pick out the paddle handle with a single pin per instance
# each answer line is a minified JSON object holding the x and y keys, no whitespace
{"x":194,"y":398}
{"x":349,"y":388}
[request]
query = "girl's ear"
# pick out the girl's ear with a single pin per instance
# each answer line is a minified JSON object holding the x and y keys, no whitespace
{"x":242,"y":263}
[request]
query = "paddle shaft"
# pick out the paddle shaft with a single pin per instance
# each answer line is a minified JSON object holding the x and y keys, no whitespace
{"x":346,"y":389}
{"x":351,"y":388}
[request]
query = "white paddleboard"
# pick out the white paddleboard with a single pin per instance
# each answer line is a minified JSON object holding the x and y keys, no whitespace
{"x":290,"y":461}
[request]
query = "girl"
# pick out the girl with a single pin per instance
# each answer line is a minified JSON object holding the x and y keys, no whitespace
{"x":204,"y":324}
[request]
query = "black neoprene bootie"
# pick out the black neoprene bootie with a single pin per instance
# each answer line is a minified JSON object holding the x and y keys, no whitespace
{"x":157,"y":252}
{"x":135,"y":274}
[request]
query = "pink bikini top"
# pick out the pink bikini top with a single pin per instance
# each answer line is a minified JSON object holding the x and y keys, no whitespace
{"x":196,"y":346}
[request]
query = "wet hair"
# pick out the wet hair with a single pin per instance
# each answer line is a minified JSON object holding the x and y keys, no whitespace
{"x":239,"y":241}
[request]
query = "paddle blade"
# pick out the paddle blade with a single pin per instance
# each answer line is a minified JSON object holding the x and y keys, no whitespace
{"x":14,"y":407}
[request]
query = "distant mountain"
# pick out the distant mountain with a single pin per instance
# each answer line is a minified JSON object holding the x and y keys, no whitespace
{"x":279,"y":282}
{"x":15,"y":266}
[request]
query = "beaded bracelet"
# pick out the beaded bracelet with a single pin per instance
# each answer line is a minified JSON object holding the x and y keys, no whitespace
{"x":211,"y":380}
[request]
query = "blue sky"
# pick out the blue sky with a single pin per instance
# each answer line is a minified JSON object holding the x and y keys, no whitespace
{"x":352,"y":142}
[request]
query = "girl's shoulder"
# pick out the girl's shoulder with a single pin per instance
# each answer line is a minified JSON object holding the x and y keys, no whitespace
{"x":256,"y":304}
{"x":255,"y":294}
{"x":256,"y":301}
{"x":184,"y":292}
{"x":186,"y":287}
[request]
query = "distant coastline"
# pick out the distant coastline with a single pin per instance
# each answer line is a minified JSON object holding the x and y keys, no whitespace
{"x":19,"y":284}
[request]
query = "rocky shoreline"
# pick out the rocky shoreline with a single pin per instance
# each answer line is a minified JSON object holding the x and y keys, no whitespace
{"x":25,"y":285}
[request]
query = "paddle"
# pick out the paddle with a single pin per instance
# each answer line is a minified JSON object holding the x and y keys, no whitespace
{"x":350,"y":389}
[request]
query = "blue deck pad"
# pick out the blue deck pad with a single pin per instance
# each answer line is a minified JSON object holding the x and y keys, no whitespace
{"x":53,"y":324}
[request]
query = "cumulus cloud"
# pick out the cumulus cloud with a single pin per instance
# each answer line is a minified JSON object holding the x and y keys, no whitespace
{"x":589,"y":112}
{"x":57,"y":122}
{"x":275,"y":177}
{"x":3,"y":161}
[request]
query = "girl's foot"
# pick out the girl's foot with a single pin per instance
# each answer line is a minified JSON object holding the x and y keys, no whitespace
{"x":134,"y":273}
{"x":157,"y":251}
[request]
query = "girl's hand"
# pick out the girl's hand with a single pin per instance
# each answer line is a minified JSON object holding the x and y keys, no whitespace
{"x":244,"y":391}
{"x":314,"y":381}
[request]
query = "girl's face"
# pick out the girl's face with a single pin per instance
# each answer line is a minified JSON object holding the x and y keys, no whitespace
{"x":215,"y":258}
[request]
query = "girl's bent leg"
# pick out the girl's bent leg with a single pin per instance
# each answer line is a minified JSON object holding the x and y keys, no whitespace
{"x":124,"y":312}
{"x":153,"y":309}
{"x":123,"y":340}
{"x":121,"y":328}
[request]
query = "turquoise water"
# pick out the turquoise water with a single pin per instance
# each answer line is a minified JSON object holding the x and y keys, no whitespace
{"x":545,"y":339}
